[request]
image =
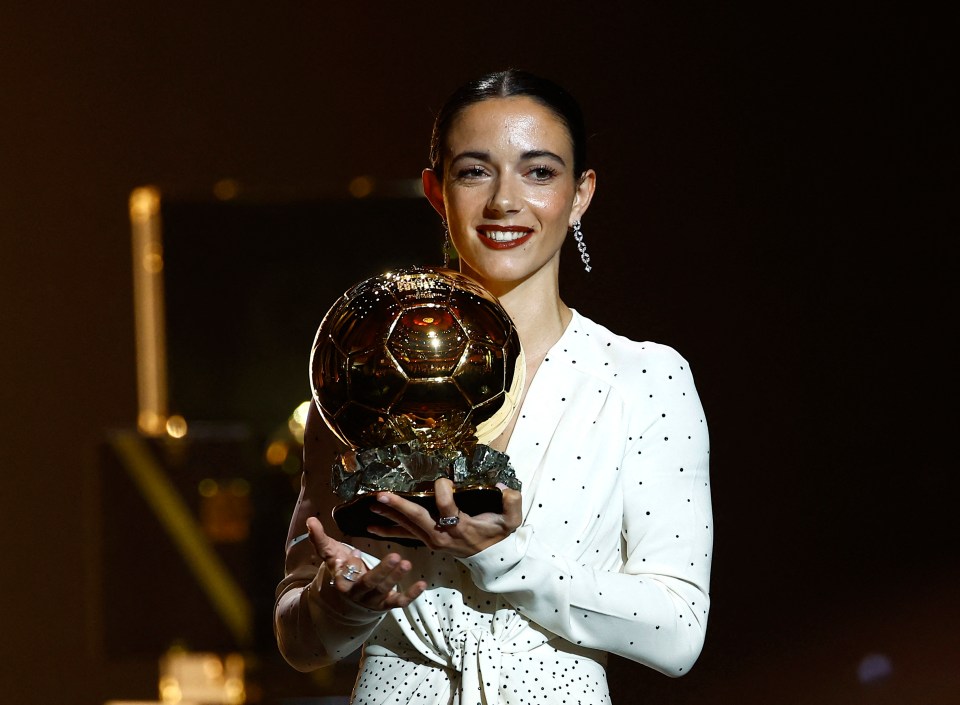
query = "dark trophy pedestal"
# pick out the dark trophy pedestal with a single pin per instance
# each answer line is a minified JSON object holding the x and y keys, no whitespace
{"x":355,"y":516}
{"x":410,"y":471}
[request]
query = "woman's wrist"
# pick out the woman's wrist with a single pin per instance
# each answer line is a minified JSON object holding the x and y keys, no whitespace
{"x":497,"y":558}
{"x":325,"y":601}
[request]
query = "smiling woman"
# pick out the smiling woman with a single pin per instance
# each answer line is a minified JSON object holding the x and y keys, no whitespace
{"x":607,"y":549}
{"x":509,"y":191}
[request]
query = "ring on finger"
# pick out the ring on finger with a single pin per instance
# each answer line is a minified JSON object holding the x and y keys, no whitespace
{"x":349,"y":573}
{"x":448,"y":521}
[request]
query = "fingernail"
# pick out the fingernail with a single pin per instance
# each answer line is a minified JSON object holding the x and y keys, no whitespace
{"x":383,"y":498}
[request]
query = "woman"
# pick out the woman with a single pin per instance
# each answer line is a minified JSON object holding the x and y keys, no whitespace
{"x":607,"y":548}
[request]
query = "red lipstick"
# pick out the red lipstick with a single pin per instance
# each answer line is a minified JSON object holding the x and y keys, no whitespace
{"x":488,"y":236}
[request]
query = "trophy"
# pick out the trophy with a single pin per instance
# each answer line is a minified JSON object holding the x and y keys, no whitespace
{"x":415,"y":371}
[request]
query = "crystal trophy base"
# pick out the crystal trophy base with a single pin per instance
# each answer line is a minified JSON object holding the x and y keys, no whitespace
{"x":409,"y":471}
{"x":355,"y":516}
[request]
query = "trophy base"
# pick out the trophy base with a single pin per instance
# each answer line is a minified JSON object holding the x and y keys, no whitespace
{"x":355,"y":516}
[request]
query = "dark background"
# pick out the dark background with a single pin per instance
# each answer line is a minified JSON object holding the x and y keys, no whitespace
{"x":771,"y":202}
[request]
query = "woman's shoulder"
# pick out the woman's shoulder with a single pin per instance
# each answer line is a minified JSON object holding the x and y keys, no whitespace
{"x":616,"y":356}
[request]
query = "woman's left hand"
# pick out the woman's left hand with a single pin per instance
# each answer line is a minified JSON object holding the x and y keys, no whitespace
{"x":462,"y":537}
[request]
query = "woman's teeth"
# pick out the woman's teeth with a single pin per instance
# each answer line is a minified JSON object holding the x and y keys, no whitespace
{"x":504,"y":235}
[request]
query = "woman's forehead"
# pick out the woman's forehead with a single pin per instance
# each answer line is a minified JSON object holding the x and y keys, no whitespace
{"x":517,"y":122}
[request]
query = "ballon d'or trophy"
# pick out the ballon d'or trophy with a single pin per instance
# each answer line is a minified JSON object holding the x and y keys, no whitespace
{"x":415,"y":371}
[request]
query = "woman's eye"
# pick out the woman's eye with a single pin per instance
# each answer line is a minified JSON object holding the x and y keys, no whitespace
{"x":471,"y":172}
{"x":542,"y":173}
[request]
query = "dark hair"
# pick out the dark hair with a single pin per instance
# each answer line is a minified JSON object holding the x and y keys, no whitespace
{"x":505,"y":84}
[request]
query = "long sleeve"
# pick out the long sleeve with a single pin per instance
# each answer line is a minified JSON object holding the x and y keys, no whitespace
{"x":316,"y":627}
{"x":642,"y":493}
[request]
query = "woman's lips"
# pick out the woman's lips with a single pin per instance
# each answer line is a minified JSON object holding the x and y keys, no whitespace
{"x":503,"y":237}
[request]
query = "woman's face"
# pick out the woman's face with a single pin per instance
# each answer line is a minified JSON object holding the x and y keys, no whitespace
{"x":509,"y":193}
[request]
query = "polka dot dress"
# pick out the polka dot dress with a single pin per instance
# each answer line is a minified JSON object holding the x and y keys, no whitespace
{"x":613,"y":555}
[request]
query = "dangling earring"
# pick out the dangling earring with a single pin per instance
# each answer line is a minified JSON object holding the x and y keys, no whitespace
{"x":578,"y":236}
{"x":447,"y":245}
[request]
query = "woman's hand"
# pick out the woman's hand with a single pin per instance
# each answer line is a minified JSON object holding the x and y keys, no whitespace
{"x":462,"y":537}
{"x":374,"y":588}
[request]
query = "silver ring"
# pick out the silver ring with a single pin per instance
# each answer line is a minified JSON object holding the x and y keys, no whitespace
{"x":448,"y":521}
{"x":350,"y":574}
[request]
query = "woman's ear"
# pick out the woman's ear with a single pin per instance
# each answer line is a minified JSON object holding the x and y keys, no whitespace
{"x":583,"y":195}
{"x":433,"y":190}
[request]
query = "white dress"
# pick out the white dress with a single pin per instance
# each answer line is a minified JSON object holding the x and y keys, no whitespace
{"x":613,"y":554}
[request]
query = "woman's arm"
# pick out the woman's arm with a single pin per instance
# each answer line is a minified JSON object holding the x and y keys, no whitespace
{"x":654,"y":610}
{"x":318,"y":621}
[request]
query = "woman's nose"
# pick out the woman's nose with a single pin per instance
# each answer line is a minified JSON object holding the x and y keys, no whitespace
{"x":504,"y":198}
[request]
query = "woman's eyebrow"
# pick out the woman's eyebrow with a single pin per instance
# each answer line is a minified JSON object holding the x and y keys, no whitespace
{"x":531,"y":154}
{"x":543,"y":153}
{"x":481,"y":156}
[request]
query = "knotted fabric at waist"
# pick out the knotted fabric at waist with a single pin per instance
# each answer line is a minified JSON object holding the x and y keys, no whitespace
{"x":472,"y":659}
{"x":477,"y":655}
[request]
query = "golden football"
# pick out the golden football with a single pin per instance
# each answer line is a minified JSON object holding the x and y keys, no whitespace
{"x":423,"y":354}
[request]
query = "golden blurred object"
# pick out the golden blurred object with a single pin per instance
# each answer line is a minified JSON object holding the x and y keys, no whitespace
{"x":176,"y":426}
{"x":200,"y":677}
{"x":361,"y":186}
{"x":226,"y":189}
{"x":277,"y":452}
{"x":144,"y":206}
{"x":298,"y":421}
{"x":226,"y":510}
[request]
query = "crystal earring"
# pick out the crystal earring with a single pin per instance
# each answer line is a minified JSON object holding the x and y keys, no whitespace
{"x":581,"y":246}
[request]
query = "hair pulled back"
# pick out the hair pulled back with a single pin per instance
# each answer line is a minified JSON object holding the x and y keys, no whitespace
{"x":507,"y":84}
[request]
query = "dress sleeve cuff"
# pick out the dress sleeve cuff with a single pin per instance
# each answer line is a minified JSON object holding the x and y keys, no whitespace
{"x":492,"y":564}
{"x":336,"y":608}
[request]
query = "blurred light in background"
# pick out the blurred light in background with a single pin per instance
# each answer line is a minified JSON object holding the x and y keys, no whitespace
{"x":226,"y":189}
{"x":225,"y":509}
{"x":361,"y":186}
{"x":277,"y":452}
{"x":284,"y":449}
{"x":874,"y":668}
{"x":144,"y":206}
{"x":298,"y":421}
{"x":199,"y":677}
{"x":176,"y":426}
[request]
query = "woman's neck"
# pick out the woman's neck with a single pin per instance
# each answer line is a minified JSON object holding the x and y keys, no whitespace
{"x":541,"y":317}
{"x":537,"y":311}
{"x":540,"y":322}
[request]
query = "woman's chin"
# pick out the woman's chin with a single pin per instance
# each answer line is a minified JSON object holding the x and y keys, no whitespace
{"x":495,"y":271}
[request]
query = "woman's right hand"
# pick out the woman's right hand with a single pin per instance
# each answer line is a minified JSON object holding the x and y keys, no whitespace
{"x":374,"y":588}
